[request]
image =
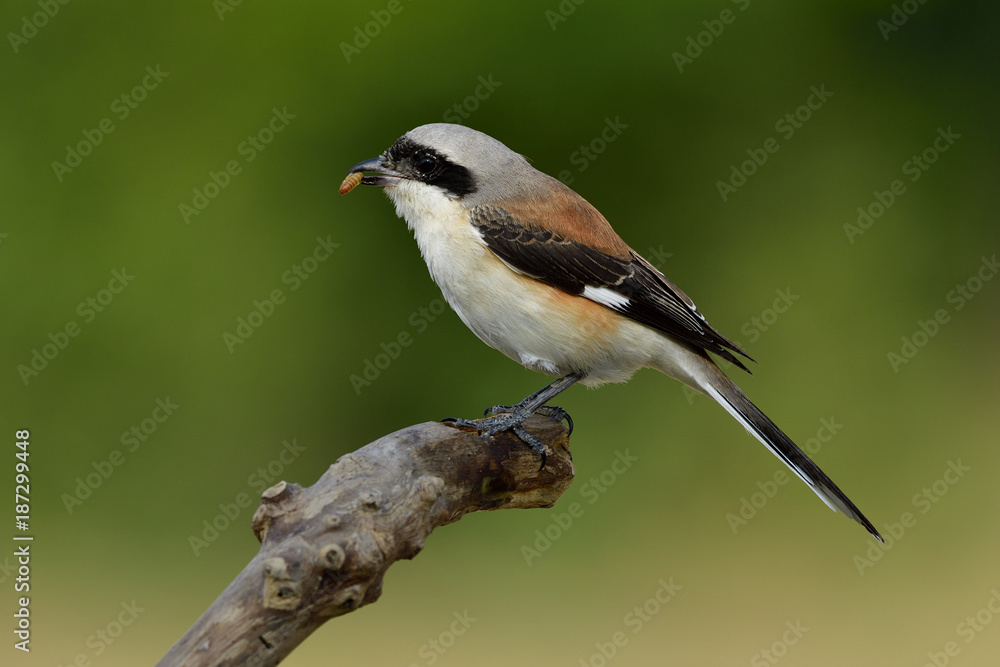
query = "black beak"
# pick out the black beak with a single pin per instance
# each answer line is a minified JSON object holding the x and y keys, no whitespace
{"x":381,"y":176}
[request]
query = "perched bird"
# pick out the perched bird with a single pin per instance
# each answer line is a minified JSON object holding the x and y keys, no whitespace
{"x":537,"y":273}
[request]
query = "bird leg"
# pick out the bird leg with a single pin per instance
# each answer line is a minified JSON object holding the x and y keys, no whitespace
{"x":512,"y":417}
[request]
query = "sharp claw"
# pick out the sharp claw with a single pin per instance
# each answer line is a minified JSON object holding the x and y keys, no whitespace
{"x":557,"y":413}
{"x":464,"y":423}
{"x":533,"y":443}
{"x":499,"y":418}
{"x":544,"y":458}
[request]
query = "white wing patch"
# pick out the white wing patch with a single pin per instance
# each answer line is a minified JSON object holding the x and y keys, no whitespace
{"x":606,"y":297}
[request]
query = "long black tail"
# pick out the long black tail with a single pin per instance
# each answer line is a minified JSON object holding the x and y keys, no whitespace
{"x":732,"y":398}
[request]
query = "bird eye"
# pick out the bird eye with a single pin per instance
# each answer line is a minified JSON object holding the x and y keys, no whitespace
{"x":425,"y":164}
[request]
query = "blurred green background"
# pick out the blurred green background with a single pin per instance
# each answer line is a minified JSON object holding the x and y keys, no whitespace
{"x":203,"y":82}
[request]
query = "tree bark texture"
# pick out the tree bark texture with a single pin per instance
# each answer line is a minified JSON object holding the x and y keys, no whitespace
{"x":325,"y":549}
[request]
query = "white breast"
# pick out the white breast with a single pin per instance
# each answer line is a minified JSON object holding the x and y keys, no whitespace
{"x":451,"y":246}
{"x":471,"y":278}
{"x":532,"y":323}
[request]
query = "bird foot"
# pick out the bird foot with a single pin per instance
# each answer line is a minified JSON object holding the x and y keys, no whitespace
{"x":512,"y":418}
{"x":550,"y":411}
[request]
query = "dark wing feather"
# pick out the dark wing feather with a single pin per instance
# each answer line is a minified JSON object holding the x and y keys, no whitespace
{"x":572,"y":266}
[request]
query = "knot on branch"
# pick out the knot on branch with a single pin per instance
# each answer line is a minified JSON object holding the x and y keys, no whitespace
{"x":325,"y":549}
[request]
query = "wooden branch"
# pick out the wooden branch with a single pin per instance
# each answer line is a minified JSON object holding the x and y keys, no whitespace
{"x":325,"y":549}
